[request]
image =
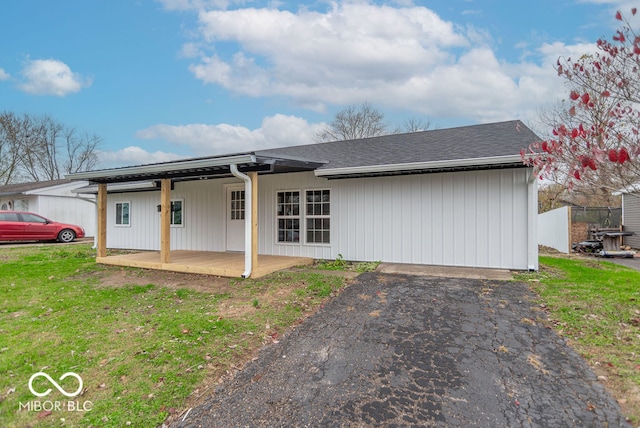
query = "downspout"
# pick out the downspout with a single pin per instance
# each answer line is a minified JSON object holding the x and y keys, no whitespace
{"x":532,"y":201}
{"x":95,"y":226}
{"x":247,"y":218}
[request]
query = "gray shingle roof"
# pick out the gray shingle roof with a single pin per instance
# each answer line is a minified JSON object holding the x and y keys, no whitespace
{"x":20,"y":188}
{"x":466,"y":142}
{"x":396,"y":153}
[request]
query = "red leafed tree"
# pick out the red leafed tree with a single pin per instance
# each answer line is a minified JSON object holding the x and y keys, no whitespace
{"x":594,"y":142}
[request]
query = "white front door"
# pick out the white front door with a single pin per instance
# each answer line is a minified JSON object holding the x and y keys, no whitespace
{"x":235,"y":219}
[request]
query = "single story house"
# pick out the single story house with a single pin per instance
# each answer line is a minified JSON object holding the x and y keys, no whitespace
{"x":456,"y":197}
{"x":55,"y":199}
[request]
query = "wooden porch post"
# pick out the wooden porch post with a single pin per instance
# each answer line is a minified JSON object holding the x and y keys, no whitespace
{"x":102,"y":220}
{"x":253,"y":175}
{"x":165,"y":221}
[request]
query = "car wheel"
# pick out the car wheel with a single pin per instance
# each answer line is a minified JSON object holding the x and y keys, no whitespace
{"x":66,"y":235}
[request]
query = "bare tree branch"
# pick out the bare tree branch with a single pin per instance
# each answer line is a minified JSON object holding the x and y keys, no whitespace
{"x":353,"y":123}
{"x":11,"y":134}
{"x":39,"y":148}
{"x":416,"y":125}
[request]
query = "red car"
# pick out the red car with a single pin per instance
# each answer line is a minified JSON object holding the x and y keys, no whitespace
{"x":23,"y":226}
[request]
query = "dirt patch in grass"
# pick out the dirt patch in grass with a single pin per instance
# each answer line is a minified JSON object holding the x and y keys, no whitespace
{"x":544,"y":250}
{"x":107,"y":276}
{"x":549,"y":271}
{"x":236,"y":298}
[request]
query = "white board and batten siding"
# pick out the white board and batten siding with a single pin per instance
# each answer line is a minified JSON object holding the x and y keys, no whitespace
{"x":203,"y":218}
{"x":475,"y":218}
{"x":631,"y":218}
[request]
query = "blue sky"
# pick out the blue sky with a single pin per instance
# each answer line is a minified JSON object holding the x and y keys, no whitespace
{"x":166,"y":79}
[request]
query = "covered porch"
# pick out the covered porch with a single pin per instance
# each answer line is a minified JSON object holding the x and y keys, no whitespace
{"x":245,"y":167}
{"x":229,"y":264}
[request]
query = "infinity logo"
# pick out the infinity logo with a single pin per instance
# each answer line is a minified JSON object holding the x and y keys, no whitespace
{"x":54,"y":383}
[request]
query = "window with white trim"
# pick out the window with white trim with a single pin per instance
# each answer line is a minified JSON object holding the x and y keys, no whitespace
{"x":310,"y":216}
{"x":177,"y":206}
{"x":236,"y":210}
{"x":123,"y":210}
{"x":318,"y":221}
{"x":288,"y":215}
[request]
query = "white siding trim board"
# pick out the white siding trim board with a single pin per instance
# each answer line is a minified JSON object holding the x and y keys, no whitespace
{"x":413,"y":166}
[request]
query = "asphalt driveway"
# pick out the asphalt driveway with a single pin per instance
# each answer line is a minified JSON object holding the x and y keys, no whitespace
{"x":398,"y":350}
{"x":632,"y":263}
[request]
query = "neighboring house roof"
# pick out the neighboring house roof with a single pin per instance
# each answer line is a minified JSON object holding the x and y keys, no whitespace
{"x":634,"y":188}
{"x":23,"y":188}
{"x":492,"y":145}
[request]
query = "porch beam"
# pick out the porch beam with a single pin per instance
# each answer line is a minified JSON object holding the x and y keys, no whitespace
{"x":165,"y":220}
{"x":101,"y":233}
{"x":253,"y":175}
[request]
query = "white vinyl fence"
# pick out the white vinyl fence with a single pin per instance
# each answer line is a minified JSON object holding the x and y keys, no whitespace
{"x":553,"y":229}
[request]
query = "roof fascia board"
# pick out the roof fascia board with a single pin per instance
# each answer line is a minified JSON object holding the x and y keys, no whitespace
{"x":164,"y":167}
{"x":494,"y":160}
{"x":119,"y":187}
{"x":262,"y":156}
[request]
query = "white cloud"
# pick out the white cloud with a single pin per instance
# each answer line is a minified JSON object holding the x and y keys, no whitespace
{"x":204,"y":139}
{"x":477,"y":85}
{"x":4,"y":75}
{"x":309,"y":53}
{"x":51,"y":77}
{"x":575,"y":51}
{"x":134,"y":155}
{"x":193,"y":4}
{"x":190,"y":50}
{"x":396,"y":57}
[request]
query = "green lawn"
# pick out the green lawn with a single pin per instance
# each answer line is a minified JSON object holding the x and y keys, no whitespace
{"x":595,"y":305}
{"x":143,"y":351}
{"x":147,"y":350}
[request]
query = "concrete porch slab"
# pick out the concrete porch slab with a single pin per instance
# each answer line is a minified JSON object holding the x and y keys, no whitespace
{"x":446,"y":271}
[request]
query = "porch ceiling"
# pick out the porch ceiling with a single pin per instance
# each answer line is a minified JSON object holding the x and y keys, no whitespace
{"x":228,"y":264}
